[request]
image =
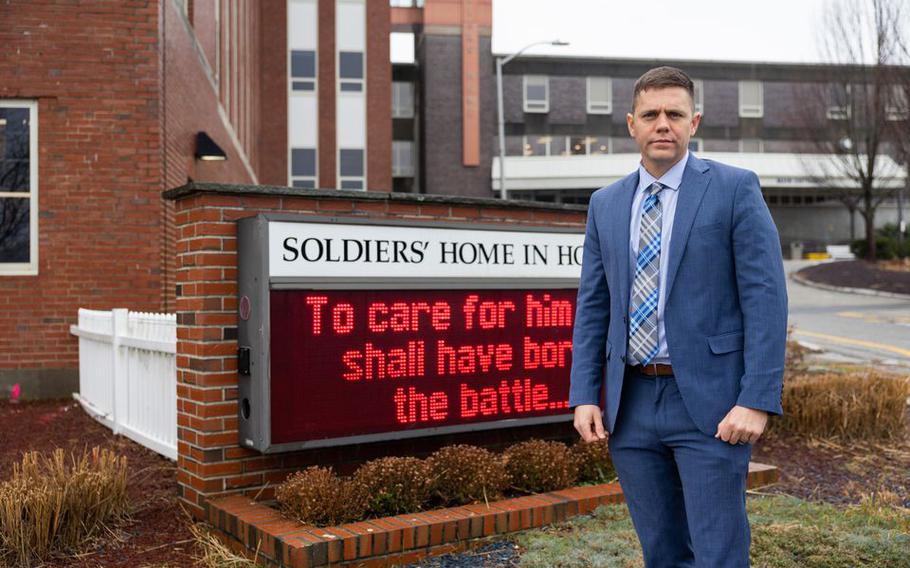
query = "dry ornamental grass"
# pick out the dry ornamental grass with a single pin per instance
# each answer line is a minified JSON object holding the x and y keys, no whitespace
{"x":52,"y":503}
{"x":856,"y":406}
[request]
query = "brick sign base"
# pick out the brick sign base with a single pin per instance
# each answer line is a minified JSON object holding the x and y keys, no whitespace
{"x":247,"y":527}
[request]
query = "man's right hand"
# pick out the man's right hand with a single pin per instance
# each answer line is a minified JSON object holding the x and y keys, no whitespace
{"x":589,"y":423}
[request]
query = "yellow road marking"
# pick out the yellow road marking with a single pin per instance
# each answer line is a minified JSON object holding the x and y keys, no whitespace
{"x":858,"y":315}
{"x":857,"y":342}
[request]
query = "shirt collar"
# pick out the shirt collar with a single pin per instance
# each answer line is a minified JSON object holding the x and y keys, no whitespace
{"x":671,"y":179}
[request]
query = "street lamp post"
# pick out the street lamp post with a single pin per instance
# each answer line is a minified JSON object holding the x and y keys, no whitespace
{"x":500,"y":61}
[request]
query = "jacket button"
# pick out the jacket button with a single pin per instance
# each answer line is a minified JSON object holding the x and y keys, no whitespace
{"x":625,"y":319}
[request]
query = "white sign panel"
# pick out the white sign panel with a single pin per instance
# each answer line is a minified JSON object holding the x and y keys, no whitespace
{"x":315,"y":250}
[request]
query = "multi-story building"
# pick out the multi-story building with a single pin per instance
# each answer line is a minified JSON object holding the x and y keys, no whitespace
{"x":104,"y":105}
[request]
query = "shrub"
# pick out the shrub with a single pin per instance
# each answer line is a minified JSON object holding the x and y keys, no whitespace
{"x":394,"y":485}
{"x":51,"y":503}
{"x":795,"y":360}
{"x":465,"y":474}
{"x":317,"y":496}
{"x":594,"y":462}
{"x":537,"y":465}
{"x":887,"y":244}
{"x":854,"y":406}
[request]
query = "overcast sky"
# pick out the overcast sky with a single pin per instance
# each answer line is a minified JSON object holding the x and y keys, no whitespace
{"x":728,"y":30}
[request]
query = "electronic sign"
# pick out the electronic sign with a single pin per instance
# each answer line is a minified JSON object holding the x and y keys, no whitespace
{"x":352,"y":332}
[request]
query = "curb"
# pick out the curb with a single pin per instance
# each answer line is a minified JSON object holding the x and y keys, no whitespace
{"x":796,"y":277}
{"x":254,"y":529}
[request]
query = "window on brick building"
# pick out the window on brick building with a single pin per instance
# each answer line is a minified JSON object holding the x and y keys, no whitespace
{"x":699,"y":95}
{"x":18,"y":187}
{"x":751,"y":145}
{"x":751,"y":99}
{"x":303,"y":168}
{"x":536,"y":93}
{"x":402,"y":100}
{"x":897,"y":106}
{"x":600,"y":95}
{"x":838,"y":102}
{"x":402,"y":158}
{"x":303,"y":70}
{"x":351,"y":169}
{"x":350,"y":70}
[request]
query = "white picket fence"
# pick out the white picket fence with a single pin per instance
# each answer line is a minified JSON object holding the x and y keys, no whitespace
{"x":128,"y":374}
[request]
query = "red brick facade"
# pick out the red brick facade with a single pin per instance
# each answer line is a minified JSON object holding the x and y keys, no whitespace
{"x":210,"y":461}
{"x":122,"y":88}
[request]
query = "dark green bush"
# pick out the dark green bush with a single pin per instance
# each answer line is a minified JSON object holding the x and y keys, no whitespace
{"x":317,"y":496}
{"x":465,"y":474}
{"x":594,"y":462}
{"x":887,"y":246}
{"x":536,"y":466}
{"x":394,"y":485}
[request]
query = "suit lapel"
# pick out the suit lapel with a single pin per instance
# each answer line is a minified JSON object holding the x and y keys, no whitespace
{"x":621,"y":221}
{"x":691,"y":191}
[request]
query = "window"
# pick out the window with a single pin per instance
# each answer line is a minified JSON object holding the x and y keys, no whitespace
{"x":406,"y":3}
{"x":559,"y":145}
{"x":751,"y":145}
{"x":350,"y":168}
{"x":536,"y":93}
{"x":699,"y":95}
{"x":897,"y":106}
{"x":838,"y":102}
{"x":751,"y":104}
{"x":402,"y":100}
{"x":578,"y":145}
{"x":402,"y":158}
{"x":599,"y":145}
{"x":303,"y":70}
{"x":600,"y":95}
{"x":350,"y":70}
{"x":536,"y":145}
{"x":18,"y":187}
{"x":695,"y":145}
{"x":303,"y":167}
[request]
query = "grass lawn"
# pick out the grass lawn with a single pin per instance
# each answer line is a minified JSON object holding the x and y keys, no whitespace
{"x":786,"y":532}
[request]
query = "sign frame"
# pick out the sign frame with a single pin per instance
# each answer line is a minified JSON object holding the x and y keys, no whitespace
{"x":253,"y":333}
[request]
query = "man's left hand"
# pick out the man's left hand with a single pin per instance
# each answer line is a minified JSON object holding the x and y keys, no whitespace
{"x":742,"y":425}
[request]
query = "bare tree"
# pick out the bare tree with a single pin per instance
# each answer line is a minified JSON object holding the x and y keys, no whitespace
{"x":859,"y":118}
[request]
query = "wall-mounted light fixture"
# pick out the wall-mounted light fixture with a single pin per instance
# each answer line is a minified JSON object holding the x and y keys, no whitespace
{"x":207,"y":150}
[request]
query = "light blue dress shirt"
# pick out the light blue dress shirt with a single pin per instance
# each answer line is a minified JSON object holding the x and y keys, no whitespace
{"x":671,"y":180}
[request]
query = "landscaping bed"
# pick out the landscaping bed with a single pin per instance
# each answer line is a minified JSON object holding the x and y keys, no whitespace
{"x":158,"y":531}
{"x":890,"y":276}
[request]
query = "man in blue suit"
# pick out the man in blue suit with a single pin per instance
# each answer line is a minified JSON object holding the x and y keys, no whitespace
{"x":680,"y":329}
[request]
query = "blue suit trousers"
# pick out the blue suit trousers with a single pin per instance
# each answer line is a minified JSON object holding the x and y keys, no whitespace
{"x":686,"y":491}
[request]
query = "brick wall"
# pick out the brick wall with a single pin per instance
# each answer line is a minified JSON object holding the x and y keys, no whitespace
{"x":210,"y":461}
{"x":94,"y":76}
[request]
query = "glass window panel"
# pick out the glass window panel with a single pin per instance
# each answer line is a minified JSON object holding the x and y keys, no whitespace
{"x":750,"y":145}
{"x":345,"y":86}
{"x":303,"y":64}
{"x":14,"y":229}
{"x":14,"y":150}
{"x":350,"y":65}
{"x":598,"y":145}
{"x":578,"y":145}
{"x":351,"y":163}
{"x":303,"y":85}
{"x":536,"y":145}
{"x":536,"y":93}
{"x":303,"y":162}
{"x":305,"y":183}
{"x":402,"y":100}
{"x":558,"y":146}
{"x":402,"y":158}
{"x":699,"y":88}
{"x":351,"y":184}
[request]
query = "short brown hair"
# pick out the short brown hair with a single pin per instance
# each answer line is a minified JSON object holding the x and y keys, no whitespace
{"x":661,"y":78}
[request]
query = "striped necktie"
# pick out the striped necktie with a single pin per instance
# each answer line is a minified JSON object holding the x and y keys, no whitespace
{"x":645,"y":285}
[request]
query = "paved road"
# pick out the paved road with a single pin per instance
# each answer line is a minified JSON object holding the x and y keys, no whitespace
{"x":864,"y":328}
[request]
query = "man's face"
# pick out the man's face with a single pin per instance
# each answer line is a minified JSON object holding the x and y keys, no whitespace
{"x":662,"y":124}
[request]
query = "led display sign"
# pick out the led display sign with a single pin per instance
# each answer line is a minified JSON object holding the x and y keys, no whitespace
{"x":334,"y":354}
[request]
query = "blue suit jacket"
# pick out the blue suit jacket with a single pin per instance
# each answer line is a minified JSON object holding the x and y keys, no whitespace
{"x":726,"y":302}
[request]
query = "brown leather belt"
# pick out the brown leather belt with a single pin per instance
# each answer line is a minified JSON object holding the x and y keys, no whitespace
{"x":654,"y":369}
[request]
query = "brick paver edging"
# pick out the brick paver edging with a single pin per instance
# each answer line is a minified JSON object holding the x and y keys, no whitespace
{"x":250,"y":526}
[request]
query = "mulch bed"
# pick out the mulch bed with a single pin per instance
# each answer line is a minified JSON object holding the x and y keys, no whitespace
{"x":860,"y":274}
{"x":158,"y":533}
